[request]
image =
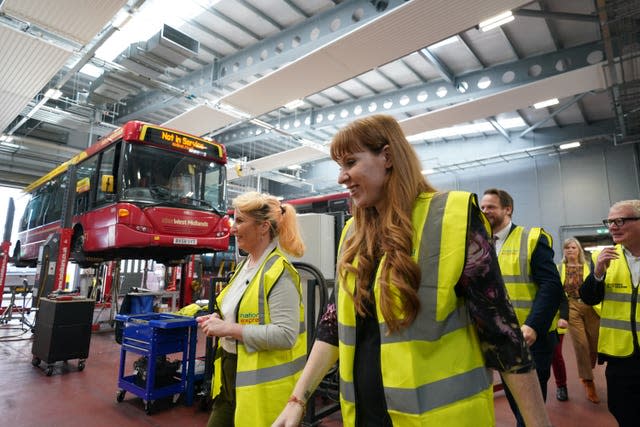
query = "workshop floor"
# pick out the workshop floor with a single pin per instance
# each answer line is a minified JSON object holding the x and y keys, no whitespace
{"x":69,"y":398}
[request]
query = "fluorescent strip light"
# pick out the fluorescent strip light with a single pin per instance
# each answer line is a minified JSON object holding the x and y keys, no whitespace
{"x":568,"y":145}
{"x":263,"y":124}
{"x":428,"y":171}
{"x":52,"y":93}
{"x":232,"y":111}
{"x":294,"y":104}
{"x":457,"y":131}
{"x":496,"y":21}
{"x":8,"y":144}
{"x":597,"y":248}
{"x":547,"y":103}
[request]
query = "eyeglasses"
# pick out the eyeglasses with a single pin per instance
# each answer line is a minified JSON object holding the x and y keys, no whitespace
{"x":619,"y":222}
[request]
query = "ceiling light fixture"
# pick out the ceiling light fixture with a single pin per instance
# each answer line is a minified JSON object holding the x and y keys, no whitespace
{"x":569,"y":145}
{"x":262,"y":124}
{"x":547,"y":103}
{"x":292,"y":105}
{"x":232,"y":111}
{"x":428,"y":171}
{"x":5,"y":140}
{"x":496,"y":21}
{"x":458,"y":131}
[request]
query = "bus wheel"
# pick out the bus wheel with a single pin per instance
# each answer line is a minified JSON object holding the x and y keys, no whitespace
{"x":77,"y":252}
{"x":17,"y":260}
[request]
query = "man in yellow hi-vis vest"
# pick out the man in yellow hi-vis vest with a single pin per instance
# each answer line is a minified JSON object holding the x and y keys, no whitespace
{"x":532,"y":281}
{"x":614,"y":280}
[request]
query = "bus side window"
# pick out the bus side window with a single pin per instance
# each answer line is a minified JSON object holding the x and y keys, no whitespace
{"x":54,"y":210}
{"x":24,"y":221}
{"x":34,"y":210}
{"x":85,"y":183}
{"x":107,"y":185}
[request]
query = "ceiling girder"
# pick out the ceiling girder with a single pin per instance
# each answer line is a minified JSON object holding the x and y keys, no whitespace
{"x":574,"y":58}
{"x":238,"y":66}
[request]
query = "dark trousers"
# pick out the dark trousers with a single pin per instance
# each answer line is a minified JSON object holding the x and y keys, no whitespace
{"x":623,"y":390}
{"x":542,"y":352}
{"x":224,"y":405}
{"x":557,"y":363}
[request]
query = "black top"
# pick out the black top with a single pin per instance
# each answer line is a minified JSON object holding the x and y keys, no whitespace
{"x":367,"y":373}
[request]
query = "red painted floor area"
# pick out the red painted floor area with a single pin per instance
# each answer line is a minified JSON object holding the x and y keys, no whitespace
{"x":70,"y":398}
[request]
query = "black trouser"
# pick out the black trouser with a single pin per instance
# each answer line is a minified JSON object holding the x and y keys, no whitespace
{"x":542,"y":353}
{"x":623,"y":389}
{"x":224,"y":405}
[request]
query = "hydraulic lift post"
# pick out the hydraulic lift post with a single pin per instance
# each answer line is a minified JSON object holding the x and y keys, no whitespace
{"x":54,"y":254}
{"x":5,"y":245}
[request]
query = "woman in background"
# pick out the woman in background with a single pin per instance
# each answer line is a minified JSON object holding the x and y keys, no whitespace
{"x":584,"y":322}
{"x":262,"y":341}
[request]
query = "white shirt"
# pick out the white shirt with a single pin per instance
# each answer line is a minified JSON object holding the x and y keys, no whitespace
{"x":500,"y":236}
{"x":634,"y":266}
{"x":235,"y":292}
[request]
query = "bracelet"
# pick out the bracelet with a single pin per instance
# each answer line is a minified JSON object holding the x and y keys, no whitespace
{"x":294,"y":399}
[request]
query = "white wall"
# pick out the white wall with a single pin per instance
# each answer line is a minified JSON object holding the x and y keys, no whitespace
{"x":573,"y":188}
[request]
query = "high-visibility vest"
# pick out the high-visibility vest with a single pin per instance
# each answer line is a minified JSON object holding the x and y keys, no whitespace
{"x":515,"y":265}
{"x":433,"y":372}
{"x":562,"y":270}
{"x":264,"y":379}
{"x":585,"y":273}
{"x":619,"y":313}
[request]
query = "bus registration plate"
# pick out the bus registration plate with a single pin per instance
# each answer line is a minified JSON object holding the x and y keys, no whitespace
{"x":183,"y":241}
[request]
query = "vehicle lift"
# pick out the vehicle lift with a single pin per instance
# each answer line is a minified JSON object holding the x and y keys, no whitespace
{"x":54,"y":255}
{"x":6,"y":313}
{"x":6,"y":244}
{"x":62,"y":328}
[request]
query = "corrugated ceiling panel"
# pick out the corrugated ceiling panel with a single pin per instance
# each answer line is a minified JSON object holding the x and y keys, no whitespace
{"x":279,"y":160}
{"x":395,"y":34}
{"x":200,"y":120}
{"x":27,"y":65}
{"x":77,"y":20}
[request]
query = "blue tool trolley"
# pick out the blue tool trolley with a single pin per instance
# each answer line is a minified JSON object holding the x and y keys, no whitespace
{"x":153,"y":335}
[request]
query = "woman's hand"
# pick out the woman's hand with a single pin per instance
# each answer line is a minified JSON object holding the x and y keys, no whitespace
{"x":291,"y":416}
{"x":562,"y":323}
{"x":213,"y":326}
{"x":604,"y":259}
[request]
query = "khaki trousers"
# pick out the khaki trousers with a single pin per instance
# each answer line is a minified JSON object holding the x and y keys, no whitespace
{"x":584,"y":324}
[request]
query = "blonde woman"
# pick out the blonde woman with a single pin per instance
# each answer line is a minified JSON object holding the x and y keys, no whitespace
{"x":262,"y":343}
{"x":584,"y":322}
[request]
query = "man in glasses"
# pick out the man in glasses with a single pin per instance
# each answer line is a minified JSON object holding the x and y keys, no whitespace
{"x":614,"y":279}
{"x":526,"y":261}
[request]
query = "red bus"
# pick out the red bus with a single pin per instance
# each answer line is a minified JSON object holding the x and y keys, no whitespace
{"x":143,"y":192}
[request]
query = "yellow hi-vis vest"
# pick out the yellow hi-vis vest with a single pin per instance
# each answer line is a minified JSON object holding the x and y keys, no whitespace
{"x":515,"y":264}
{"x":264,"y":379}
{"x":619,"y":313}
{"x":433,"y":372}
{"x":562,"y":269}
